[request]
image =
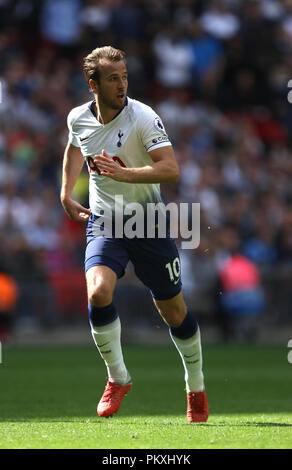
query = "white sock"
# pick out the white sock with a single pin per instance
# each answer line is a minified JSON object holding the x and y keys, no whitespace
{"x":108,"y":342}
{"x":191,"y":353}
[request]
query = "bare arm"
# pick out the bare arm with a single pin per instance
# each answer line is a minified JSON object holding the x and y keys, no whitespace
{"x":72,"y":166}
{"x":163,"y":170}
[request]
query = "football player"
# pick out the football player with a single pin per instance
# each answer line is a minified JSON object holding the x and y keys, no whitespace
{"x":128,"y":154}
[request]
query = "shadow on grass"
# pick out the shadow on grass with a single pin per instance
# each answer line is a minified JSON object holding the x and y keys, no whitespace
{"x":175,"y":414}
{"x":123,"y":420}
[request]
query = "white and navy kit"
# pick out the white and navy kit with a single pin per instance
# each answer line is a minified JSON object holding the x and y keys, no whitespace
{"x":135,"y":131}
{"x":127,"y":138}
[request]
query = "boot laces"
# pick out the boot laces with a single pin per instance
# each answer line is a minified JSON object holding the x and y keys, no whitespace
{"x":110,"y":391}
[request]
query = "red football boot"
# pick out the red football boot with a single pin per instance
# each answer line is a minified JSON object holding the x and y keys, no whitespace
{"x":197,"y":409}
{"x":111,"y":399}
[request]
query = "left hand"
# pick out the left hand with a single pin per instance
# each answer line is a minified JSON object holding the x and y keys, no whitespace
{"x":109,"y":167}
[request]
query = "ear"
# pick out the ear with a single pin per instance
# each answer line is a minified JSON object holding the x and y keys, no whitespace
{"x":93,"y":86}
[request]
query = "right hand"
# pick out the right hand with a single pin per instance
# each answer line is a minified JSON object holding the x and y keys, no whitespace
{"x":75,"y":210}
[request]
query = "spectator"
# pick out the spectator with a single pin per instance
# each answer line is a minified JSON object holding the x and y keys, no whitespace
{"x":173,"y":57}
{"x":60,"y":21}
{"x":241,"y":300}
{"x":207,"y":57}
{"x":8,"y":303}
{"x":219,"y":21}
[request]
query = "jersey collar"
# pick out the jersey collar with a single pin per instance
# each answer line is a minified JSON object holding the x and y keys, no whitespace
{"x":91,"y":107}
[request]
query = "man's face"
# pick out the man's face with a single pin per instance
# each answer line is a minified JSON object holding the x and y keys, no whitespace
{"x":113,"y":84}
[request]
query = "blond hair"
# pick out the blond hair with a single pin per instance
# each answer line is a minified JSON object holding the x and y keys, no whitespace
{"x":92,"y":61}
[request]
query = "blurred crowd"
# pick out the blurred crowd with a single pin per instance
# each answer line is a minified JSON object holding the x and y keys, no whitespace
{"x":217,"y":72}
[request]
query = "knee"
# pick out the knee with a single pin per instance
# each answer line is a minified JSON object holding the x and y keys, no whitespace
{"x":174,"y":317}
{"x":99,"y":295}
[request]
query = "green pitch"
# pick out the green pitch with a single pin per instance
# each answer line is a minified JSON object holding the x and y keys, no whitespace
{"x":48,"y":399}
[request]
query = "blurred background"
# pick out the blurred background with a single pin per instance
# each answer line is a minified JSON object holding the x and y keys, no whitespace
{"x":217,"y":73}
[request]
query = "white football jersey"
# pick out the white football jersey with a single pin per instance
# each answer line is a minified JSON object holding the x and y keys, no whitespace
{"x":128,"y":138}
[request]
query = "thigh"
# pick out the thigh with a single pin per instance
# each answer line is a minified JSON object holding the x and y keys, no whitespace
{"x":157,"y":265}
{"x":110,"y":252}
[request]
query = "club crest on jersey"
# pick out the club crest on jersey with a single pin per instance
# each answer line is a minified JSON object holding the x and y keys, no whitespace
{"x":120,"y":135}
{"x":158,"y":125}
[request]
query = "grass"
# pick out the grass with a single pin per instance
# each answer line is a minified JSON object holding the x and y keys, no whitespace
{"x":48,"y":399}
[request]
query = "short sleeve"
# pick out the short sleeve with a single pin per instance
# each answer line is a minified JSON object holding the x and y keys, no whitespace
{"x":72,"y":138}
{"x":151,"y":130}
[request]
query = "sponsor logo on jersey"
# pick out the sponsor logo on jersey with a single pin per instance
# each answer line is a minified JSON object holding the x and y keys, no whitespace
{"x":160,"y":139}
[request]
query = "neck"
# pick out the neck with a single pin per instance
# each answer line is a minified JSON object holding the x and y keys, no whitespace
{"x":104,"y":113}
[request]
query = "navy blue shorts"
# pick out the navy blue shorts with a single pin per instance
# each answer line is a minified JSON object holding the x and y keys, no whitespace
{"x":155,"y":260}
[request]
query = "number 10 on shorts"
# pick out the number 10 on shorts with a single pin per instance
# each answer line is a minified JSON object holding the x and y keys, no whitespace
{"x":174,"y":269}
